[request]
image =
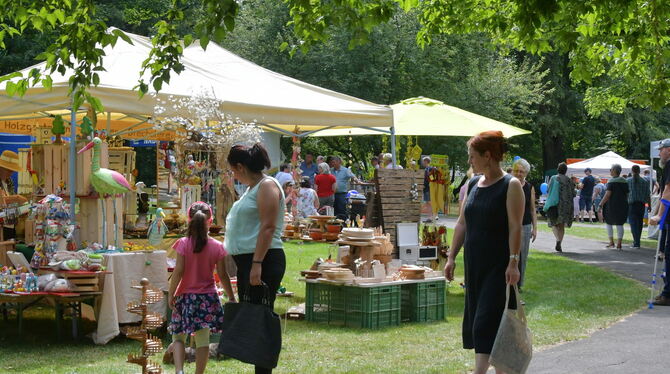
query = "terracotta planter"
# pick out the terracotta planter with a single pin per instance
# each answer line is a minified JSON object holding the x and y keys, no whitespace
{"x":316,"y":235}
{"x":334,"y":228}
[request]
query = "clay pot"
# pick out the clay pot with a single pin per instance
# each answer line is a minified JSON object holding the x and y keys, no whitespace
{"x":334,"y":228}
{"x":316,"y":235}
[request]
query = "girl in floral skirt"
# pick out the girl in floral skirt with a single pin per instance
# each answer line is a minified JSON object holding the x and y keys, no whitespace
{"x":192,"y":296}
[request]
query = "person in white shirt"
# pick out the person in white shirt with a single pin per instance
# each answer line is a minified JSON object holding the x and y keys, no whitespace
{"x":284,"y":175}
{"x":388,"y":162}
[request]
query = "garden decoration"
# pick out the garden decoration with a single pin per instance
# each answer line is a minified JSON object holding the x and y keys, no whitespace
{"x":58,"y":129}
{"x":87,"y":127}
{"x":106,"y":182}
{"x":151,"y":344}
{"x":157,"y":229}
{"x":658,"y":248}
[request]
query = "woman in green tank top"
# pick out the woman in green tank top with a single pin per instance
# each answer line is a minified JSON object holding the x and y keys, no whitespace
{"x":254,"y":226}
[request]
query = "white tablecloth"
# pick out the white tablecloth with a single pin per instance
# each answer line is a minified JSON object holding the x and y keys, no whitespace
{"x":117,"y":293}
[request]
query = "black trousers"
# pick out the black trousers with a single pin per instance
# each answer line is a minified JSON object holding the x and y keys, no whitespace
{"x":635,"y":219}
{"x":272,"y":272}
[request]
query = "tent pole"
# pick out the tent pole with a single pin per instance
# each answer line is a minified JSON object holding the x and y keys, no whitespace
{"x":72,"y":161}
{"x":109,"y":123}
{"x":393,"y":156}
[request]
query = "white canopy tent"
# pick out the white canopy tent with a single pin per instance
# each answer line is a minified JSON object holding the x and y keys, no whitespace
{"x":245,"y":90}
{"x":600,"y":165}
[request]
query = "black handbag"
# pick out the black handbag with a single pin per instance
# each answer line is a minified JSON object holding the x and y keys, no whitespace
{"x":251,"y":332}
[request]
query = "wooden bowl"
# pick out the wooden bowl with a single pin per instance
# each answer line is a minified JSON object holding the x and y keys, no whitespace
{"x":310,"y":274}
{"x":331,"y":236}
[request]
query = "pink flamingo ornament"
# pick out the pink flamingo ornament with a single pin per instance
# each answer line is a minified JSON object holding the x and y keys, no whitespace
{"x":107,"y":183}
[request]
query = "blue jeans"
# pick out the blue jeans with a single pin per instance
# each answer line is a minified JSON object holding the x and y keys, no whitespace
{"x":666,"y":248}
{"x":635,"y":216}
{"x":340,"y":205}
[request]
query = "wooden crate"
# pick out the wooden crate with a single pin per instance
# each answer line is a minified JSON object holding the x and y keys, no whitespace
{"x":29,"y":231}
{"x":393,"y":196}
{"x":25,"y":180}
{"x":90,"y":220}
{"x":84,"y":283}
{"x":122,"y":159}
{"x":50,"y":163}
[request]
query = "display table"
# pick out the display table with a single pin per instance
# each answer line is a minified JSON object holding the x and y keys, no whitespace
{"x":65,"y":303}
{"x":126,"y":268}
{"x":375,"y":305}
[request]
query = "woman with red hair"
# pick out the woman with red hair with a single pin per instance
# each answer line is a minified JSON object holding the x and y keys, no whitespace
{"x":489,"y":228}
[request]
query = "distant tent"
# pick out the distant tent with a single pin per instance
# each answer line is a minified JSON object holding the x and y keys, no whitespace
{"x":600,"y":165}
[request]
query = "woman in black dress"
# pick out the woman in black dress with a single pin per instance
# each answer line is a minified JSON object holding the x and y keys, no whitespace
{"x":615,"y":205}
{"x":489,"y":228}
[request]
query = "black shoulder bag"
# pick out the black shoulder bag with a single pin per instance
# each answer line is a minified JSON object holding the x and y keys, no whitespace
{"x":251,"y":332}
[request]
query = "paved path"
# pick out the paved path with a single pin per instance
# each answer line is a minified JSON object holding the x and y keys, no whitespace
{"x":638,"y":344}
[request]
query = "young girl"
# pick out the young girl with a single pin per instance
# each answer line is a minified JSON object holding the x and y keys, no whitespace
{"x":192,"y":296}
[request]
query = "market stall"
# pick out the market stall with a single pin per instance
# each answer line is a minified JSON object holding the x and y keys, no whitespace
{"x":97,"y":193}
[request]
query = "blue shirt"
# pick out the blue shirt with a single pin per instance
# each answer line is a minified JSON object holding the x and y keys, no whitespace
{"x":588,"y":182}
{"x":309,"y":171}
{"x":342,"y":177}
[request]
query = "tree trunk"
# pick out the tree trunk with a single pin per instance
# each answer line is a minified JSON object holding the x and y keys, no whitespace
{"x":552,"y":151}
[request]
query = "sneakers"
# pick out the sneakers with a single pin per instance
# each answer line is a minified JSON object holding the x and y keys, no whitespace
{"x":558,"y":247}
{"x":661,"y":300}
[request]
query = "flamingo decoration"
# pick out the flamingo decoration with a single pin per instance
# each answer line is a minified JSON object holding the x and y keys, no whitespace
{"x":106,"y":182}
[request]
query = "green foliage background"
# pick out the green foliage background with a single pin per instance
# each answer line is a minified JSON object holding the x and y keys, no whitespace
{"x":470,"y":70}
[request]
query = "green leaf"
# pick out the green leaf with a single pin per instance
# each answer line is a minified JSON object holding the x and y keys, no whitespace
{"x":15,"y":74}
{"x":51,"y":18}
{"x":95,"y":103}
{"x":204,"y":40}
{"x":122,"y":35}
{"x":47,"y":82}
{"x":229,"y":21}
{"x":38,"y":23}
{"x":188,"y":39}
{"x":96,"y":79}
{"x":158,"y":83}
{"x":219,"y":33}
{"x":10,"y":88}
{"x":283,"y":46}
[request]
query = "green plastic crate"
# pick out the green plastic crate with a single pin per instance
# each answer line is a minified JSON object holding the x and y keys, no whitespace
{"x":373,"y":307}
{"x":423,"y":302}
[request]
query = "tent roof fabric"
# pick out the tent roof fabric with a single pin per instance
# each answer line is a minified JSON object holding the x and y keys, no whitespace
{"x":428,"y":117}
{"x":246,"y":91}
{"x":600,"y":165}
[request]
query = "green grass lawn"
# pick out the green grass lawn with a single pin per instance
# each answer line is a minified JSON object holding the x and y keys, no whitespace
{"x":565,"y":300}
{"x":600,"y":233}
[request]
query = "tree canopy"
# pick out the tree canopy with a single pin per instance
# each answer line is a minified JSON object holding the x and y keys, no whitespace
{"x":367,"y":49}
{"x":619,"y":48}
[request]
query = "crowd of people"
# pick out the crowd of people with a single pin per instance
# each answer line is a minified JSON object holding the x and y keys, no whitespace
{"x":624,"y":198}
{"x":498,"y":220}
{"x":323,"y":182}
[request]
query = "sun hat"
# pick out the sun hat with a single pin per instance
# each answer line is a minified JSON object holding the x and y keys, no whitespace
{"x":10,"y":160}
